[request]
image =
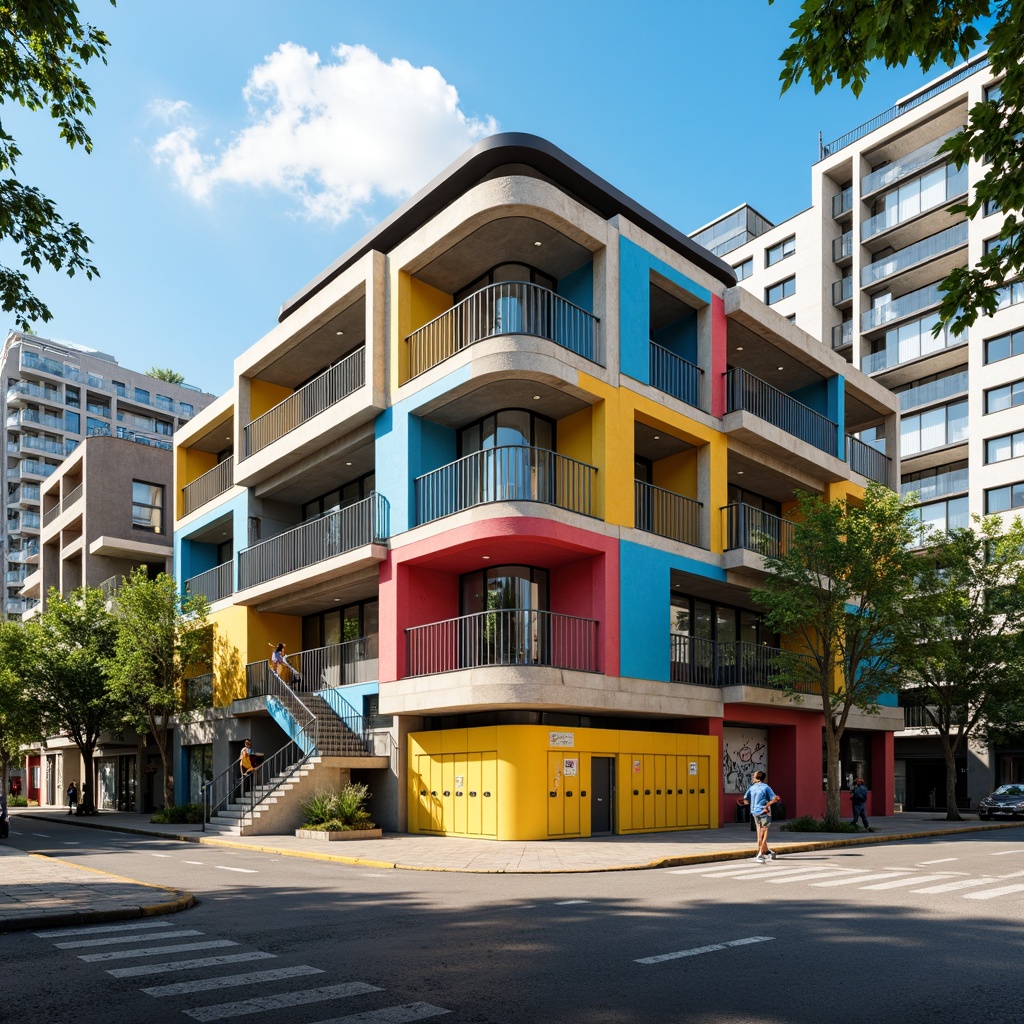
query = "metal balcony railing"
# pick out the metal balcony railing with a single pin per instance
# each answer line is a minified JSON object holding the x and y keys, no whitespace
{"x":919,"y":718}
{"x":910,"y":341}
{"x":25,"y":389}
{"x":934,"y":391}
{"x":842,"y":334}
{"x":667,"y":514}
{"x":15,"y":605}
{"x":513,"y":307}
{"x":904,"y":167}
{"x":320,"y":668}
{"x":842,"y":202}
{"x":39,"y":418}
{"x":675,"y":376}
{"x":842,"y":247}
{"x":511,"y":636}
{"x":906,"y":305}
{"x":746,"y":392}
{"x":919,"y":252}
{"x":199,"y":691}
{"x":206,"y":487}
{"x":365,"y":522}
{"x":937,"y":485}
{"x":334,"y":384}
{"x":506,"y":473}
{"x":955,"y":185}
{"x":842,"y":290}
{"x":215,"y":584}
{"x":753,"y":529}
{"x":703,"y":662}
{"x":868,"y":461}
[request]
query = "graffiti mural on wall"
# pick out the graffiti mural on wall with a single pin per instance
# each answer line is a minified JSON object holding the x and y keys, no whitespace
{"x":744,"y":751}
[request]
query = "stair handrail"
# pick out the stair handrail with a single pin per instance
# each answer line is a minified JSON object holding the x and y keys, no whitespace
{"x":360,"y":727}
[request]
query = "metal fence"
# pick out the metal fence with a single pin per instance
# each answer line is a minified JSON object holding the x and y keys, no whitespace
{"x":918,"y":252}
{"x":667,"y":514}
{"x":753,"y":529}
{"x":750,"y":393}
{"x":512,"y":307}
{"x":702,"y":662}
{"x":675,"y":376}
{"x":365,"y":522}
{"x":319,"y":668}
{"x":511,"y":636}
{"x":206,"y":487}
{"x":868,"y":461}
{"x":214,"y":584}
{"x":334,"y":384}
{"x":506,"y":473}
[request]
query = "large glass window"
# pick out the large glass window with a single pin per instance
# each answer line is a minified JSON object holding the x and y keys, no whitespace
{"x":775,"y":253}
{"x":744,"y":269}
{"x":1006,"y":397}
{"x":504,"y":616}
{"x":507,"y":272}
{"x":1008,"y":446}
{"x":777,"y":292}
{"x":1004,"y":346}
{"x":1002,"y":499}
{"x":340,"y":497}
{"x":147,"y":506}
{"x":507,"y":427}
{"x":933,"y":428}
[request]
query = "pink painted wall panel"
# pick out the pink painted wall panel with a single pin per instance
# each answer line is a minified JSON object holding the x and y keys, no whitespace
{"x":719,"y":355}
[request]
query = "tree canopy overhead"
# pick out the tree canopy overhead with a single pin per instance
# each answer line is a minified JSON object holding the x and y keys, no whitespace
{"x":43,"y":48}
{"x":838,"y":41}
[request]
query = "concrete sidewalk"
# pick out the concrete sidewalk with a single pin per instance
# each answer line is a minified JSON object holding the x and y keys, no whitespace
{"x":606,"y":853}
{"x":43,"y":892}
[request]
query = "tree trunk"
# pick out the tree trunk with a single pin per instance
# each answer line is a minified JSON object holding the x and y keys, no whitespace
{"x":949,"y":751}
{"x":87,"y":798}
{"x":163,"y":742}
{"x":833,"y":787}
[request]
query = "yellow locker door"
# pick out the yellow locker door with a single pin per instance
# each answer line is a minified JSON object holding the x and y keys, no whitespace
{"x":660,"y":796}
{"x":473,"y":797}
{"x":670,"y":791}
{"x":424,"y":799}
{"x":648,"y":781}
{"x":692,"y":798}
{"x":704,"y":790}
{"x":448,"y":792}
{"x":571,"y":788}
{"x":555,"y":793}
{"x":459,"y":793}
{"x":636,"y":789}
{"x":489,"y":793}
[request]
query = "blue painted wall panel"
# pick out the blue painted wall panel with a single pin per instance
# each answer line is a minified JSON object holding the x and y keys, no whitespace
{"x":578,"y":287}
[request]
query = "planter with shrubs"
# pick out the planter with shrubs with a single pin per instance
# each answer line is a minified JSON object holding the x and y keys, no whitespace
{"x":338,"y":815}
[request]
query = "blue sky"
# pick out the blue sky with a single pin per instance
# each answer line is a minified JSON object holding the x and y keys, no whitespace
{"x":240,"y":147}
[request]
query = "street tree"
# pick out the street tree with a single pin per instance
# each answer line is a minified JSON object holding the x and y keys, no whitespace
{"x":20,"y":721}
{"x":161,"y":639}
{"x":968,"y":672}
{"x":837,"y":591}
{"x":837,"y":42}
{"x":165,"y":373}
{"x":43,"y":48}
{"x":67,"y":651}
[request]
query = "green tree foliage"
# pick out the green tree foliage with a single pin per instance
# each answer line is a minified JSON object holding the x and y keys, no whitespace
{"x":19,"y":712}
{"x":837,"y":41}
{"x":968,"y":671}
{"x":161,"y":639}
{"x":43,"y":48}
{"x":166,"y":374}
{"x":838,"y":594}
{"x":66,"y":654}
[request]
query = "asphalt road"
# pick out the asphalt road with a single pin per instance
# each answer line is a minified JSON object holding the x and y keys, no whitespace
{"x":923,"y":931}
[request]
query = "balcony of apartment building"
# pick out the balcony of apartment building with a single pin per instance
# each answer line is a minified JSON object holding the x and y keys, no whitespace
{"x":842,"y":204}
{"x":842,"y":291}
{"x":512,"y":277}
{"x":921,"y":262}
{"x":63,"y":502}
{"x":305,"y":395}
{"x":842,"y":249}
{"x":665,"y":487}
{"x":907,"y":156}
{"x":842,"y":335}
{"x":702,"y":662}
{"x":37,"y":444}
{"x":909,"y":347}
{"x":940,"y":483}
{"x":146,"y":397}
{"x":24,"y":496}
{"x":674,"y":361}
{"x":26,"y":553}
{"x":206,"y":554}
{"x":31,"y":470}
{"x":915,"y":208}
{"x":34,"y":365}
{"x":33,"y":418}
{"x":24,"y":392}
{"x":205,"y":459}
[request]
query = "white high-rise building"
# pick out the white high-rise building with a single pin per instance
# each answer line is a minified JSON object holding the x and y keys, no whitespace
{"x":860,"y":268}
{"x":54,"y":395}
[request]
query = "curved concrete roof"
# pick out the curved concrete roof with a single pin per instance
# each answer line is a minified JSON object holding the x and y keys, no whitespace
{"x":475,"y":164}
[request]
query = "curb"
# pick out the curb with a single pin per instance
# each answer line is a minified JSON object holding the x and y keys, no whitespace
{"x":677,"y":860}
{"x":182,"y":901}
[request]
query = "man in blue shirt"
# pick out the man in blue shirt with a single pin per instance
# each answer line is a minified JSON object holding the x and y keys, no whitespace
{"x":760,"y":799}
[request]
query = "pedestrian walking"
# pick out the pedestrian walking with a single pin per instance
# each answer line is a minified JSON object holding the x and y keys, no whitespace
{"x":72,"y":797}
{"x":860,"y":801}
{"x":245,"y":762}
{"x":760,"y":798}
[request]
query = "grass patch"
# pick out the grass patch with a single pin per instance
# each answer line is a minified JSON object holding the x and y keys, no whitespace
{"x":808,"y":823}
{"x":182,"y":814}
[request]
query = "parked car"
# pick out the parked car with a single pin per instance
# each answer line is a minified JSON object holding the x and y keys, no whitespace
{"x":1006,"y":802}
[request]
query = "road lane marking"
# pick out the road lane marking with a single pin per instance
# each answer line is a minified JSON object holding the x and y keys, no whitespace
{"x":134,"y":926}
{"x":230,"y":981}
{"x":244,"y":871}
{"x":800,"y":876}
{"x":184,"y":947}
{"x":941,"y":860}
{"x":1001,"y":853}
{"x":242,"y":1008}
{"x":851,"y":881}
{"x":569,"y":903}
{"x":70,"y":842}
{"x":703,"y":949}
{"x":989,"y":894}
{"x":390,"y":1015}
{"x":197,"y":862}
{"x":188,"y":965}
{"x":39,"y":835}
{"x":898,"y":882}
{"x":167,"y":855}
{"x":113,"y":940}
{"x":960,"y":883}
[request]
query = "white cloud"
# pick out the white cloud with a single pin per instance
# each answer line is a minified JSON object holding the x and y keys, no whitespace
{"x":334,"y":135}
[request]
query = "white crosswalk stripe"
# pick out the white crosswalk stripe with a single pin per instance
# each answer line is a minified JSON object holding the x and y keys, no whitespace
{"x":897,"y":883}
{"x":960,"y":883}
{"x":243,"y":1007}
{"x":188,"y":965}
{"x":853,"y":880}
{"x":992,"y":893}
{"x":114,"y":940}
{"x":799,"y":876}
{"x":184,"y":947}
{"x":57,"y":933}
{"x":231,"y":981}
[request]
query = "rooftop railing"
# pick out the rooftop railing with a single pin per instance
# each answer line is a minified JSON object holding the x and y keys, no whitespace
{"x":667,"y":514}
{"x":513,"y":307}
{"x":752,"y":529}
{"x":702,"y":662}
{"x":206,"y":487}
{"x":506,"y":473}
{"x":365,"y":522}
{"x":511,"y":636}
{"x":920,"y":252}
{"x":906,"y":305}
{"x":334,"y":384}
{"x":675,"y":376}
{"x":868,"y":461}
{"x":215,"y":584}
{"x":746,"y":392}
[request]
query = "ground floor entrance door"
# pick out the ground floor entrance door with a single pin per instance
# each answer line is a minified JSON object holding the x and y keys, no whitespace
{"x":602,"y":788}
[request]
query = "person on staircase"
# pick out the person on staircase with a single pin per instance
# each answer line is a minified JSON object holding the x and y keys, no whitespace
{"x":280,"y":667}
{"x":245,"y":762}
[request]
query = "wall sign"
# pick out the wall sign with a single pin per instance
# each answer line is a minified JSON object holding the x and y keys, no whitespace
{"x":561,"y":739}
{"x":570,"y":766}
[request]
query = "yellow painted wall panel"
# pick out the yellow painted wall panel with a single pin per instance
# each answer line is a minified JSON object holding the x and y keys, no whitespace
{"x":575,"y":436}
{"x":263,"y":396}
{"x":678,"y":473}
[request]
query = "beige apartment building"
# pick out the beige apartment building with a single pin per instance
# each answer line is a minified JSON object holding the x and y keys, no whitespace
{"x":860,"y":269}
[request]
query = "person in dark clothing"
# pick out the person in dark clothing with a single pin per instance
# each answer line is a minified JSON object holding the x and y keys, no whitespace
{"x":860,"y":800}
{"x":72,"y":797}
